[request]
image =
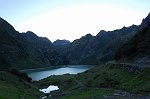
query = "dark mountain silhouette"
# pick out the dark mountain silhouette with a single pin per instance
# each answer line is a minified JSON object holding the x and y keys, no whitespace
{"x":61,"y":43}
{"x":138,"y":48}
{"x":12,"y":46}
{"x":100,"y":48}
{"x":38,"y":41}
{"x":77,"y":49}
{"x":25,"y":50}
{"x":145,"y":22}
{"x":43,"y":50}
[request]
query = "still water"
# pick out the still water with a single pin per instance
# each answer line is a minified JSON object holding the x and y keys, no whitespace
{"x":38,"y":74}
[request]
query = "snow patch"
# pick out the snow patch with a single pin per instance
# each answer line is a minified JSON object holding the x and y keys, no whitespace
{"x":49,"y":89}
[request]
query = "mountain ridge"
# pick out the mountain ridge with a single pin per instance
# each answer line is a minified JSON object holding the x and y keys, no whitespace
{"x":27,"y":50}
{"x":21,"y":51}
{"x":137,"y":49}
{"x":88,"y":47}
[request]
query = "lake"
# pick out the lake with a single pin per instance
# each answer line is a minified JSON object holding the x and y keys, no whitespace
{"x":38,"y":74}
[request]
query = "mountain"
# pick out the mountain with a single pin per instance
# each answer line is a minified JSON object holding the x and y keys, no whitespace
{"x":138,"y":48}
{"x":34,"y":39}
{"x":42,"y":50}
{"x":61,"y":43}
{"x":145,"y":22}
{"x":26,"y":50}
{"x":12,"y":46}
{"x":77,"y":49}
{"x":100,"y":48}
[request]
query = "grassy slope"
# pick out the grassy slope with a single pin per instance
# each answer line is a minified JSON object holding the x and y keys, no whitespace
{"x":87,"y":94}
{"x":91,"y":82}
{"x":13,"y":87}
{"x":118,"y":78}
{"x":73,"y":88}
{"x":9,"y":91}
{"x":94,"y":83}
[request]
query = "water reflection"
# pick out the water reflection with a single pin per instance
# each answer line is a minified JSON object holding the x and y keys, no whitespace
{"x":38,"y":74}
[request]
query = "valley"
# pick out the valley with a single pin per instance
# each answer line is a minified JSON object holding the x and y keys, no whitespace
{"x":119,"y":60}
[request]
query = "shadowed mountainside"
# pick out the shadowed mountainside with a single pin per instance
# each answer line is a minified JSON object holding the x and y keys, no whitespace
{"x":26,"y":50}
{"x":61,"y":43}
{"x":100,"y":48}
{"x":138,"y":48}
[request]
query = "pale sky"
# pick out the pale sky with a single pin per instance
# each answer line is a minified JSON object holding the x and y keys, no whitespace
{"x":71,"y":19}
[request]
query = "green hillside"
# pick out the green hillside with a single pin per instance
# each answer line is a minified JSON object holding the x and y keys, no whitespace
{"x":16,"y":86}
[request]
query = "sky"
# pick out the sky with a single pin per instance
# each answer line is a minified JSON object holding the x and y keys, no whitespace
{"x":72,"y":19}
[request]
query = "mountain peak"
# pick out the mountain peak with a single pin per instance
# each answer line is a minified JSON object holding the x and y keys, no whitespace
{"x":102,"y":32}
{"x":31,"y":33}
{"x":64,"y":40}
{"x":88,"y":35}
{"x":5,"y":26}
{"x":61,"y":43}
{"x":145,"y":22}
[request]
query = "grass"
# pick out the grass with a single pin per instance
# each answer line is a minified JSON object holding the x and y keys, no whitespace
{"x":117,"y":78}
{"x":65,"y":82}
{"x":8,"y":91}
{"x":13,"y":87}
{"x":86,"y":94}
{"x":102,"y":76}
{"x":140,"y":83}
{"x":89,"y":84}
{"x":94,"y":83}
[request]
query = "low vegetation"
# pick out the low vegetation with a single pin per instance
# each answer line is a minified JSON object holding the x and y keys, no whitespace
{"x":94,"y":83}
{"x":101,"y":80}
{"x":14,"y":87}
